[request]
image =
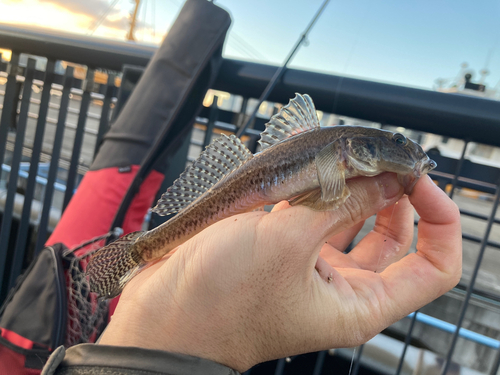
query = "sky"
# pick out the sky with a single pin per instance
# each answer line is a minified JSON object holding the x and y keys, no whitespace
{"x":409,"y":43}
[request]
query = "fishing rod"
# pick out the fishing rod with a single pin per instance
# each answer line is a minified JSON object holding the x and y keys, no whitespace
{"x":279,"y":73}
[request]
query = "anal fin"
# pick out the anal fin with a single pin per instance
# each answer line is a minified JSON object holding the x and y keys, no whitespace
{"x":313,"y":199}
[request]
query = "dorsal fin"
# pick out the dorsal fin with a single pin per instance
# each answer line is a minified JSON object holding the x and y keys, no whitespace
{"x":298,"y":116}
{"x":220,"y":158}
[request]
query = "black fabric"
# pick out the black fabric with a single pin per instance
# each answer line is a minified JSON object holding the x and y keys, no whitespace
{"x":111,"y":360}
{"x":36,"y":307}
{"x":170,"y":92}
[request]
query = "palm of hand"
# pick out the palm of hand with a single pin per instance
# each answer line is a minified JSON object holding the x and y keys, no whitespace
{"x":259,"y":286}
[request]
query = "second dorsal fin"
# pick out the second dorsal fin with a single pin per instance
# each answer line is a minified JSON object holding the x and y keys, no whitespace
{"x":298,"y":116}
{"x":220,"y":158}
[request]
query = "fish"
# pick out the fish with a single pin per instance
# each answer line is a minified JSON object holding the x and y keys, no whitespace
{"x":299,"y":161}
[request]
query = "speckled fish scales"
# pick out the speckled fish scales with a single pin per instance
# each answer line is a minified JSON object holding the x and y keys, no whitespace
{"x":299,"y":161}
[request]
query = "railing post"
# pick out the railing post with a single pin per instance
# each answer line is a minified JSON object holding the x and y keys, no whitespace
{"x":280,"y":366}
{"x":458,"y":170}
{"x":54,"y":160}
{"x":8,"y":102}
{"x":407,"y":343}
{"x":14,"y":171}
{"x":242,"y":116}
{"x":496,"y":364}
{"x":470,"y":289}
{"x":88,"y":86}
{"x":106,"y":106}
{"x":22,"y":233}
{"x":214,"y":109}
{"x":320,"y":360}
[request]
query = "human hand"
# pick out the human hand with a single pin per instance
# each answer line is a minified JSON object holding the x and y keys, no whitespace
{"x":260,"y":286}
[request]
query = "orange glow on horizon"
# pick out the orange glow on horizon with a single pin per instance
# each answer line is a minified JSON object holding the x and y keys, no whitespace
{"x":56,"y":17}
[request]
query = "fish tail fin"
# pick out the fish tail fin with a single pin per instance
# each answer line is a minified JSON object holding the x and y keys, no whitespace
{"x":113,"y":266}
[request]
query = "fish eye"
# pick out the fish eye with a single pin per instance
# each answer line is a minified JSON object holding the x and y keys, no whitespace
{"x":400,"y":139}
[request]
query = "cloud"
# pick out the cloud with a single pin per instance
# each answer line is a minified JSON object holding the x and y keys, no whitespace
{"x":91,"y":8}
{"x":95,"y":9}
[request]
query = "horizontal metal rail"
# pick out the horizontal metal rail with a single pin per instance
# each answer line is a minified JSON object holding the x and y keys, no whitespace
{"x":227,"y":127}
{"x":450,"y":328}
{"x":86,"y":50}
{"x":39,"y":179}
{"x":423,"y":110}
{"x":70,"y":110}
{"x":46,"y":157}
{"x":478,"y":216}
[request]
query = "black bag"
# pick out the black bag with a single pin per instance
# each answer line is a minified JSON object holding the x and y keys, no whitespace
{"x":50,"y":305}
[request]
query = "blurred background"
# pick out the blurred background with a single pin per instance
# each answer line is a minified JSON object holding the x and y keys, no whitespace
{"x":423,"y":44}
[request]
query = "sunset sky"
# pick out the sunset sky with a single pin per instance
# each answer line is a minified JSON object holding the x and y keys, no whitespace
{"x":409,"y":43}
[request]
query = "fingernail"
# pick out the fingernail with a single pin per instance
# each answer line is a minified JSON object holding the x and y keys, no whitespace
{"x":389,"y":184}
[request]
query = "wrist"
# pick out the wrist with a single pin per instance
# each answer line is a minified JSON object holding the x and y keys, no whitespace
{"x":223,"y":346}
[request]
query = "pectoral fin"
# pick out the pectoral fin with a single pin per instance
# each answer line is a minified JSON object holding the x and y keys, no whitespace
{"x":333,"y":190}
{"x":331,"y":173}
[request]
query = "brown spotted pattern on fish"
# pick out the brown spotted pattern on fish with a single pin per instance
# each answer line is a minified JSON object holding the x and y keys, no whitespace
{"x":300,"y":162}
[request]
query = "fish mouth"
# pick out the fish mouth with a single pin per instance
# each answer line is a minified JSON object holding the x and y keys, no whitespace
{"x":409,"y":180}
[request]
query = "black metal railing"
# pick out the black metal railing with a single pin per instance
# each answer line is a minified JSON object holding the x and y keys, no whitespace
{"x":48,"y":138}
{"x":468,"y":118}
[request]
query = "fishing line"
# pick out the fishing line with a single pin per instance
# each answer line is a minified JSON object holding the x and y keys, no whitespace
{"x":352,"y":361}
{"x":348,"y":61}
{"x":385,"y":237}
{"x":282,"y":69}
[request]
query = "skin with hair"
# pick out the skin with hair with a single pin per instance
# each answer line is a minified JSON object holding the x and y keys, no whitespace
{"x":259,"y":286}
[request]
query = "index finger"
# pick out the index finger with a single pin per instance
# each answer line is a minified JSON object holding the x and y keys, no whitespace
{"x":419,"y":278}
{"x":311,"y":229}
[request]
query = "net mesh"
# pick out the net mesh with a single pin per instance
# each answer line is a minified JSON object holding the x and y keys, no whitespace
{"x":87,"y":316}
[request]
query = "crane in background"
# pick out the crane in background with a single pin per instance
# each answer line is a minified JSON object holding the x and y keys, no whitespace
{"x":130,"y":34}
{"x":133,"y":19}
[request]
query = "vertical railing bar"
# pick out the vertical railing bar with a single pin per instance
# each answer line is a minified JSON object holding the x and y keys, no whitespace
{"x":280,"y":367}
{"x":14,"y":171}
{"x":458,"y":170}
{"x":211,"y":122}
{"x":106,"y":107}
{"x":8,"y":103}
{"x":470,"y":289}
{"x":54,"y":160}
{"x":22,"y":234}
{"x":496,"y":364}
{"x":243,"y":113}
{"x":88,"y":85}
{"x":407,"y":343}
{"x":357,"y":360}
{"x":320,"y":360}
